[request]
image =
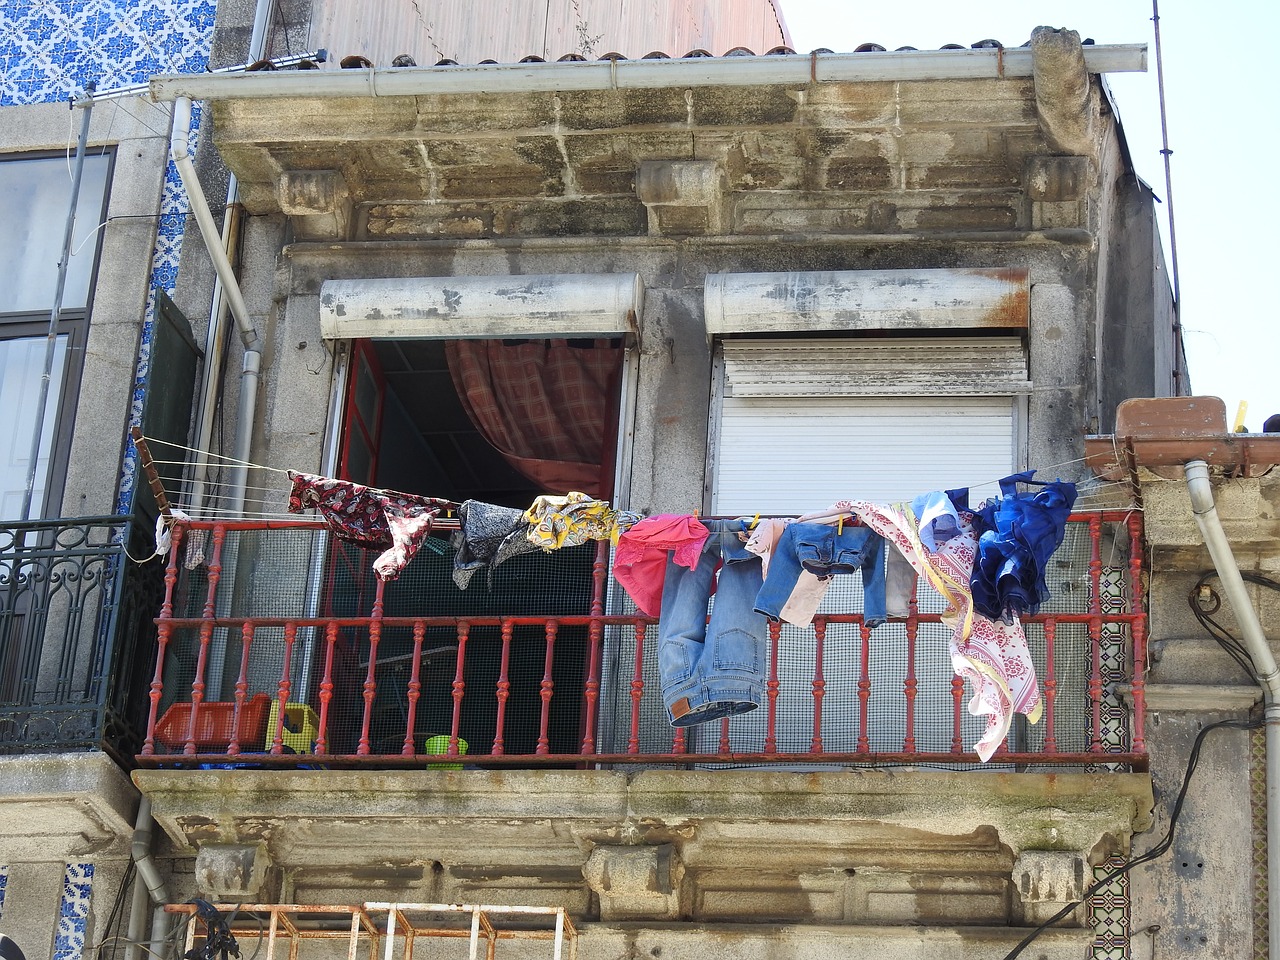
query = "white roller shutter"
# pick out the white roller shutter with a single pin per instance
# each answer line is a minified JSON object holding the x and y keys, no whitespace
{"x":785,"y":444}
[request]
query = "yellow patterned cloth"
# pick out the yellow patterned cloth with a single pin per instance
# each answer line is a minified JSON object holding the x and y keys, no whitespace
{"x":573,"y":519}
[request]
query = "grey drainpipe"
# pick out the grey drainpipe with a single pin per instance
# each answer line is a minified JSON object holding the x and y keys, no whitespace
{"x":180,"y":152}
{"x":1255,"y":641}
{"x":220,"y":303}
{"x":149,"y":874}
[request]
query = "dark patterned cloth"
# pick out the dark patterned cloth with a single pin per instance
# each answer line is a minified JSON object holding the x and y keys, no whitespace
{"x":1023,"y":531}
{"x":369,"y":517}
{"x":487,"y":535}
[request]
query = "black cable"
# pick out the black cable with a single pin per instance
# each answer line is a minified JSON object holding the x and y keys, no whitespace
{"x":172,"y":945}
{"x":111,"y":929}
{"x":1155,"y":852}
{"x":284,"y":26}
{"x":1203,"y":613}
{"x":1225,"y":639}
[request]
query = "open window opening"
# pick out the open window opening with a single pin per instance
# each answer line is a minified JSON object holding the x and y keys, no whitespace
{"x":500,"y":421}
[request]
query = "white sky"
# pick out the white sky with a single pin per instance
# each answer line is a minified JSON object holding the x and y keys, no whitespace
{"x":1220,"y":87}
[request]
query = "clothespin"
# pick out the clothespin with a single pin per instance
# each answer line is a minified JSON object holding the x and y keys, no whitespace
{"x":840,"y":526}
{"x":754,"y":521}
{"x":695,"y":513}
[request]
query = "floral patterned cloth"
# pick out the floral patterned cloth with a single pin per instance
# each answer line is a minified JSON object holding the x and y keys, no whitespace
{"x":573,"y":519}
{"x":991,"y":655}
{"x":369,"y":517}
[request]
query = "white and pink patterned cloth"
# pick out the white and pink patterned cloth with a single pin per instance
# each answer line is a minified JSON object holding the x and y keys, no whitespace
{"x":991,"y":655}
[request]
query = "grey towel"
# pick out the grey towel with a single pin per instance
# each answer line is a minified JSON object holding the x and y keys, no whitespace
{"x":488,"y":535}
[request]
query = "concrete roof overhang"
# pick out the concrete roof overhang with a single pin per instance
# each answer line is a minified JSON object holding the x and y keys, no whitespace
{"x":561,"y":132}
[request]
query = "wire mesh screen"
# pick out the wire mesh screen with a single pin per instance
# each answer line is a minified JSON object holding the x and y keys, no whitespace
{"x":883,"y":679}
{"x":842,"y":676}
{"x":304,"y":574}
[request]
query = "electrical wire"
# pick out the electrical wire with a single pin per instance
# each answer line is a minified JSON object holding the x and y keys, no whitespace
{"x":117,"y":911}
{"x":1155,"y":852}
{"x":1205,"y":602}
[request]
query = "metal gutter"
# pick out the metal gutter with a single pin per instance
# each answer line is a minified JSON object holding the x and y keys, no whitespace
{"x":986,"y":63}
{"x":1259,"y":648}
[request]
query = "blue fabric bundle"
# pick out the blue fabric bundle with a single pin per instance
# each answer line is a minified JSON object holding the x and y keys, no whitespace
{"x":1022,"y":532}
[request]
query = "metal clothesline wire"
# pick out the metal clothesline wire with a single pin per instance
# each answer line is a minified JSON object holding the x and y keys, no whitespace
{"x":245,"y":463}
{"x":213,"y":513}
{"x":1091,"y":491}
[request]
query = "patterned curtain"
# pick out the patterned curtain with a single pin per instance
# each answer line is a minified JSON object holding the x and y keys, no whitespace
{"x":543,"y":404}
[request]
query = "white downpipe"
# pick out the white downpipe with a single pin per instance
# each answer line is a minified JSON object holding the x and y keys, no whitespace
{"x":180,"y":152}
{"x":1255,"y":642}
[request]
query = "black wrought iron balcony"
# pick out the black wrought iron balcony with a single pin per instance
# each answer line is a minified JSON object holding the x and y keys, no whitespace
{"x":74,"y":614}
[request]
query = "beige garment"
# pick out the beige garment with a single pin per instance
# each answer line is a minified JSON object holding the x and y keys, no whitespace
{"x":764,"y":538}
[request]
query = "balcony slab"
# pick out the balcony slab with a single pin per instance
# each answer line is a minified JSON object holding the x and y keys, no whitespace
{"x":831,"y":846}
{"x":59,"y":807}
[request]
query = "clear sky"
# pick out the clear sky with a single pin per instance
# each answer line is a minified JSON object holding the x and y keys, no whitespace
{"x":1220,"y":89}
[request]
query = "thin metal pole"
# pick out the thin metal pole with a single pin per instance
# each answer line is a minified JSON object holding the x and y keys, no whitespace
{"x":1168,"y":196}
{"x":52,"y":342}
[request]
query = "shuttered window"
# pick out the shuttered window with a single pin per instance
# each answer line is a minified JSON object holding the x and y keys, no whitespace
{"x":800,"y":424}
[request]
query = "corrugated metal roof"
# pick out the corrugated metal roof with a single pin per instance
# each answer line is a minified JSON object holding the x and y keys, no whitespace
{"x":512,"y":31}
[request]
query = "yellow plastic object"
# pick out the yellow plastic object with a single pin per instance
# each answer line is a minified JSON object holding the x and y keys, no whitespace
{"x":301,"y":727}
{"x":438,"y":745}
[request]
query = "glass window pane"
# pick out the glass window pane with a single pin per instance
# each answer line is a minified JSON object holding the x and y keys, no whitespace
{"x":21,"y":366}
{"x":34,"y":196}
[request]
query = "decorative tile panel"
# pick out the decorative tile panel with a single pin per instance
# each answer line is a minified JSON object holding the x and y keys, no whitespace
{"x":1109,"y":914}
{"x":1114,"y":650}
{"x":49,"y":49}
{"x":73,"y":917}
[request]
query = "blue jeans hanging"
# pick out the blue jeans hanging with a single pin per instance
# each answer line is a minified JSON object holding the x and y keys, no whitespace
{"x":710,"y":670}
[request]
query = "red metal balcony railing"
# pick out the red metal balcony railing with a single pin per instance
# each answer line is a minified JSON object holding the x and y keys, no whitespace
{"x":282,"y":649}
